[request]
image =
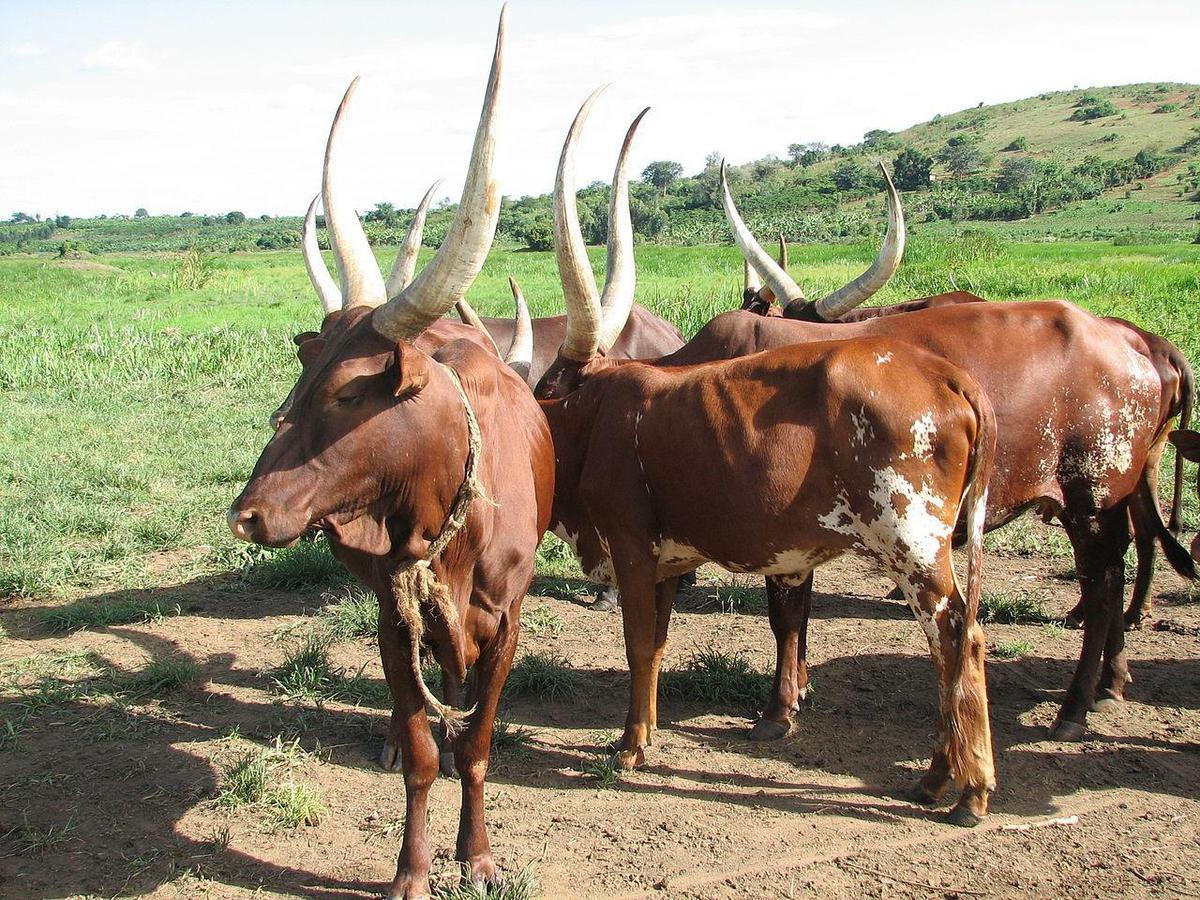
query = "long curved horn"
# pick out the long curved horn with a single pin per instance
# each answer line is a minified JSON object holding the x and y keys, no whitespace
{"x":620,"y":273}
{"x":751,"y":283}
{"x":467,"y":313}
{"x":783,"y":259}
{"x":322,"y":281}
{"x":406,"y":260}
{"x":780,"y":283}
{"x":444,"y":281}
{"x":886,"y":262}
{"x":520,"y":353}
{"x":574,"y":269}
{"x":362,"y":283}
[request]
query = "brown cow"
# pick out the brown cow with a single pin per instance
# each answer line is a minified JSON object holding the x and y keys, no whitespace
{"x":773,"y":464}
{"x":1173,"y":368}
{"x":431,"y":474}
{"x":1080,"y":423}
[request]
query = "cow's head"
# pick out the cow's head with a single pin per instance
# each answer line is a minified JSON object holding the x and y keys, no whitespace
{"x":370,"y":411}
{"x":594,"y":320}
{"x":781,"y":291}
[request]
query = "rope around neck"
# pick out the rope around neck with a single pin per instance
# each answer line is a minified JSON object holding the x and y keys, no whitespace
{"x":414,"y":583}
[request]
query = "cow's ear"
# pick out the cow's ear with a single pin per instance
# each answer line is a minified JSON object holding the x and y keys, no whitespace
{"x":309,"y":349}
{"x":303,"y":336}
{"x":411,"y":370}
{"x":1188,"y":443}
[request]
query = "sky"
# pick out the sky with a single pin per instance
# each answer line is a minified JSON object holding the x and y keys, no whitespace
{"x":108,"y":106}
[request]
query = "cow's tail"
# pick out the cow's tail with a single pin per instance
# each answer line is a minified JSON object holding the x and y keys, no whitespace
{"x":1146,"y":514}
{"x":416,"y":588}
{"x":970,"y":746}
{"x":1187,"y":390}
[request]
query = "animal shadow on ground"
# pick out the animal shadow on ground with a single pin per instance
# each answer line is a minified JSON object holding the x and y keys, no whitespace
{"x":121,"y":777}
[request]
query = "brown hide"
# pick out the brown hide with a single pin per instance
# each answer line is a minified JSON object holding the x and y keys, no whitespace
{"x":1187,"y":445}
{"x":372,"y":450}
{"x":645,"y":336}
{"x":1078,"y":423}
{"x":774,"y":464}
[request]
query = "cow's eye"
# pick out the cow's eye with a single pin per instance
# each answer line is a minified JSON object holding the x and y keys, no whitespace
{"x":347,"y":400}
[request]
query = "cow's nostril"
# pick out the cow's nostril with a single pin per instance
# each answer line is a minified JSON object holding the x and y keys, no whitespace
{"x":241,"y":522}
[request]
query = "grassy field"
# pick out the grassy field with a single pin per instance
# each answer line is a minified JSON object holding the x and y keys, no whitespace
{"x":134,"y":406}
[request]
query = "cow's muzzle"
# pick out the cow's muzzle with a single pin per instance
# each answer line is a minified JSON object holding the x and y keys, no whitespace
{"x":250,"y":525}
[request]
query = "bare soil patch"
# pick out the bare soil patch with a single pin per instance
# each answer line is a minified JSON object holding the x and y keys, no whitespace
{"x":117,"y":798}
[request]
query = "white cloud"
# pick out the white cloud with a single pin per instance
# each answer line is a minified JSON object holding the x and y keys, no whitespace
{"x":118,"y":56}
{"x":27,"y":50}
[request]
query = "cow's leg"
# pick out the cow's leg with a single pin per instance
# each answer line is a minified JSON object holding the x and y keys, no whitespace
{"x":645,"y":641}
{"x":452,"y":695}
{"x":664,"y":601}
{"x":473,"y":747}
{"x":963,"y":748}
{"x":394,"y":672}
{"x":788,"y":610}
{"x":1099,"y":541}
{"x":418,"y":754}
{"x":1141,"y":605}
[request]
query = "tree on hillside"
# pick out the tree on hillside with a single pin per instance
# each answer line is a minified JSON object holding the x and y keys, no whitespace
{"x":910,"y":170}
{"x":235,"y":218}
{"x":62,"y":221}
{"x":807,"y":154}
{"x":140,"y":213}
{"x":19,"y":217}
{"x":662,"y":174}
{"x":961,"y":155}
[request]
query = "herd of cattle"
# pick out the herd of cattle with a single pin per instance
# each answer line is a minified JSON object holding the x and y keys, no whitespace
{"x":778,"y":438}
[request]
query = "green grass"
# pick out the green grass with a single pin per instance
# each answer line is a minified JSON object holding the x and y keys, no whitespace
{"x":541,"y":620}
{"x":133,"y":414}
{"x":353,"y":617}
{"x":716,"y":677}
{"x":92,"y":614}
{"x":1012,"y":649}
{"x":509,"y":738}
{"x":160,"y":676}
{"x":1013,"y":608}
{"x":251,"y":778}
{"x":519,"y":886}
{"x":307,"y":673}
{"x":545,"y":676}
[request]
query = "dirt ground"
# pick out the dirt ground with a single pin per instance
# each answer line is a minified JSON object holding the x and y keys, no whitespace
{"x":123,"y":798}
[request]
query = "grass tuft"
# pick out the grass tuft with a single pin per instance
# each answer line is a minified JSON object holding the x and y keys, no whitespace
{"x":93,"y":614}
{"x":306,"y":565}
{"x":1013,"y":608}
{"x":1012,"y":649}
{"x":521,"y":886}
{"x":354,"y":616}
{"x":541,"y":620}
{"x":159,"y":676}
{"x":307,"y":673}
{"x":292,"y":805}
{"x":508,"y":738}
{"x":714,"y":676}
{"x":546,"y":676}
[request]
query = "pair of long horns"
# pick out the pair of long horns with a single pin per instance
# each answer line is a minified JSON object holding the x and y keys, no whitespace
{"x":843,"y":299}
{"x":594,"y":320}
{"x":404,"y":306}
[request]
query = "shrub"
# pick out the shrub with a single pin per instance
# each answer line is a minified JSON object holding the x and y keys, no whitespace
{"x":1020,"y":143}
{"x":1166,"y":107}
{"x":1098,"y":110}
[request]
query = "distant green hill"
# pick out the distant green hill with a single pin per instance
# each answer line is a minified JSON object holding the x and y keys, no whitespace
{"x":1115,"y":163}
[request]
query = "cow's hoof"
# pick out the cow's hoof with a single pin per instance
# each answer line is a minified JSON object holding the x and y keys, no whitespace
{"x":963,"y":817}
{"x":628,"y":760}
{"x":446,"y":763}
{"x":389,"y":757}
{"x":406,"y":886}
{"x":1066,"y":730}
{"x":923,"y":796}
{"x":1104,"y":704}
{"x":769,"y":730}
{"x":1133,"y":623}
{"x":1072,"y":620}
{"x":606,"y":602}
